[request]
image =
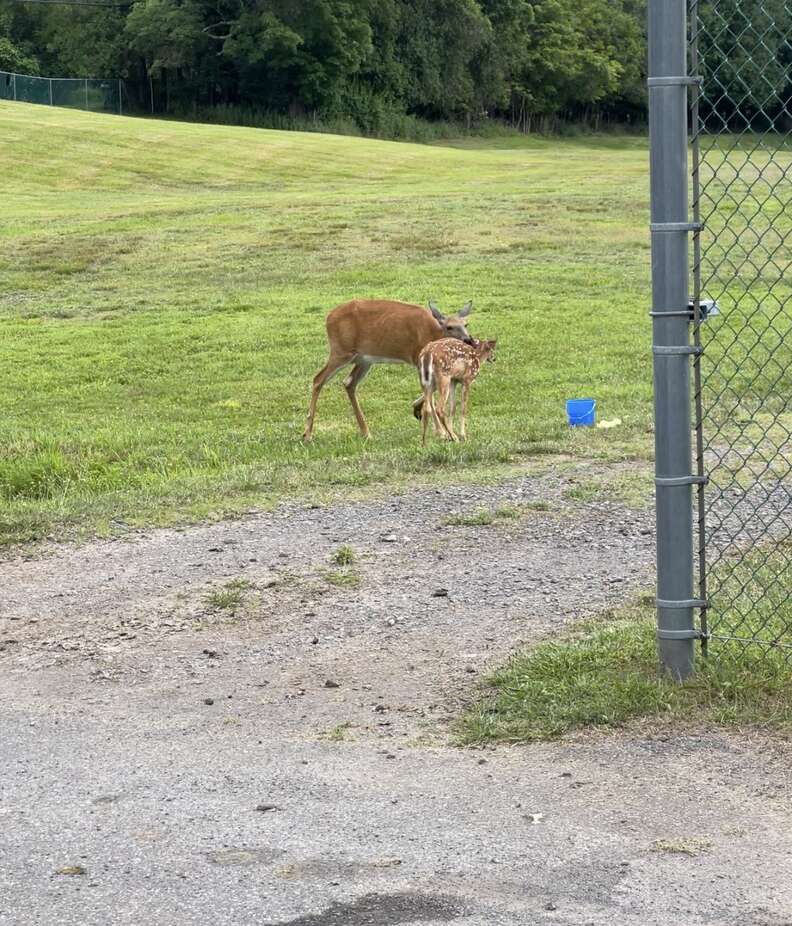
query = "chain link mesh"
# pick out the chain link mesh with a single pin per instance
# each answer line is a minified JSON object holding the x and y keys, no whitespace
{"x":742,"y":193}
{"x":102,"y":96}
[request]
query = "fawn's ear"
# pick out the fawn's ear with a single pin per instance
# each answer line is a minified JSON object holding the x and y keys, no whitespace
{"x":465,"y":310}
{"x":492,"y":344}
{"x":436,"y":313}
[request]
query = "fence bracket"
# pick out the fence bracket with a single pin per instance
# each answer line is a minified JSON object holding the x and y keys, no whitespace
{"x":673,"y":349}
{"x":671,"y":81}
{"x":680,"y":634}
{"x":707,"y":308}
{"x":676,"y":226}
{"x":681,"y":480}
{"x":684,"y":603}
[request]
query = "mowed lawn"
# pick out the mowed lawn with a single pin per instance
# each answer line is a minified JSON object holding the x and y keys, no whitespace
{"x":163,"y":289}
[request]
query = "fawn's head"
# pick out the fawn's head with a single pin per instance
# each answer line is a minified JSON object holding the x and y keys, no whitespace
{"x":485,"y":350}
{"x":454,"y":326}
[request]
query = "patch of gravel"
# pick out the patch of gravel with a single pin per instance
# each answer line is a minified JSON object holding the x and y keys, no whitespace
{"x":435,"y":601}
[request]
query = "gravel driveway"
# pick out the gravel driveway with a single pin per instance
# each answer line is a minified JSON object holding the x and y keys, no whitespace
{"x":220,"y":725}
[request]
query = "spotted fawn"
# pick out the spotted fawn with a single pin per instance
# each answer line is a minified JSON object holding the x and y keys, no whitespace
{"x":442,"y":365}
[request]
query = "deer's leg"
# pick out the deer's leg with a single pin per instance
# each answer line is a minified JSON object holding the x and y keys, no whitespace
{"x":463,"y":409}
{"x":358,"y":374}
{"x":427,"y":409}
{"x":443,"y":390}
{"x":419,"y":405}
{"x":435,"y":409}
{"x":417,"y":408}
{"x":327,"y":372}
{"x":436,"y":426}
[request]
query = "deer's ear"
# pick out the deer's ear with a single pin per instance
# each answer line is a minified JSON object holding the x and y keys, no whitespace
{"x":436,"y":312}
{"x":465,"y":310}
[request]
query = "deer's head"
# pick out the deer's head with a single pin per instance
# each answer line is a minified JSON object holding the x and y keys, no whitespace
{"x":486,"y":350}
{"x":454,"y":326}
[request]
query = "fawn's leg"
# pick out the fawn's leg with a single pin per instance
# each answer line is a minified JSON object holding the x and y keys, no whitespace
{"x":418,"y":406}
{"x":436,"y":426}
{"x":355,"y":378}
{"x":437,"y":418}
{"x":463,"y":409}
{"x":427,"y":409}
{"x":328,"y":371}
{"x":444,"y":386}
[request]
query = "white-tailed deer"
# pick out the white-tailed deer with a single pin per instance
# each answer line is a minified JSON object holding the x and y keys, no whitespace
{"x":364,"y":332}
{"x":442,"y":365}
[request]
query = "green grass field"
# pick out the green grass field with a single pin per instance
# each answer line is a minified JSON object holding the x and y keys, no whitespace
{"x":163,"y":288}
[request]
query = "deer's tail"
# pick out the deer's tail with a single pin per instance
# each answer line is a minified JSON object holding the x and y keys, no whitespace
{"x":427,"y":370}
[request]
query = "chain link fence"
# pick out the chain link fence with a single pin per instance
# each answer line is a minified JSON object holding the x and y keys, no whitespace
{"x":104,"y":96}
{"x":742,"y":313}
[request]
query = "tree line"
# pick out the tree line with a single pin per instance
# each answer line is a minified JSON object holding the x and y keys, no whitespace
{"x":373,"y":62}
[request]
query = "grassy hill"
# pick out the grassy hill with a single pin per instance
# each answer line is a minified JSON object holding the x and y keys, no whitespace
{"x":163,"y":288}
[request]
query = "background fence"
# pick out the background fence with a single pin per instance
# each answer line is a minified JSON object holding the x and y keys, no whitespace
{"x":78,"y":93}
{"x":742,"y":196}
{"x":739,"y":198}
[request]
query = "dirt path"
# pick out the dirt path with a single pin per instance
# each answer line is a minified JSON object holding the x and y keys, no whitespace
{"x":142,"y":724}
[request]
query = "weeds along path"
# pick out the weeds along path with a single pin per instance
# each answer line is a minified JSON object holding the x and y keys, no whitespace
{"x":248,"y":723}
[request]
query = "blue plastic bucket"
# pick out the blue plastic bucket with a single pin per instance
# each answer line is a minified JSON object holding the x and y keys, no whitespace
{"x":581,"y":413}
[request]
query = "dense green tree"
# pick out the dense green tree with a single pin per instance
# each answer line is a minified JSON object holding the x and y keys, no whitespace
{"x":86,"y":42}
{"x":17,"y":40}
{"x":299,"y":53}
{"x":381,"y":61}
{"x":564,"y":55}
{"x":439,"y":43}
{"x":169,"y":36}
{"x":12,"y":58}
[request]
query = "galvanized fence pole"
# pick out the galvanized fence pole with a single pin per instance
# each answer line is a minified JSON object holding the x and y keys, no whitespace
{"x":670,"y":225}
{"x":698,"y":378}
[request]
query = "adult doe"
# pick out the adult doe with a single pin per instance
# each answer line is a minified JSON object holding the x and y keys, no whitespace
{"x":364,"y":332}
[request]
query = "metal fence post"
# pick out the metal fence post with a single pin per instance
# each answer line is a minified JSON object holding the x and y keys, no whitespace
{"x":50,"y":90}
{"x":671,"y":349}
{"x":14,"y":76}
